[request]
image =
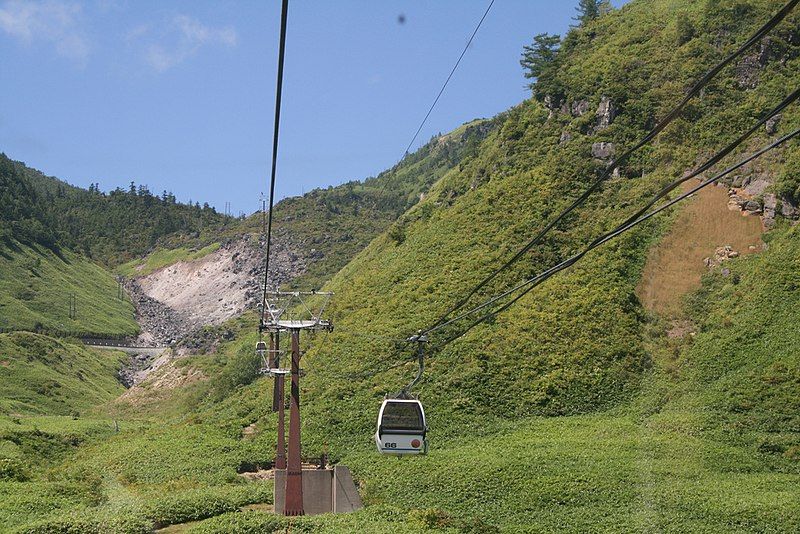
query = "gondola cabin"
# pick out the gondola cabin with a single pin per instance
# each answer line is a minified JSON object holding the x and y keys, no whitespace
{"x":401,"y":428}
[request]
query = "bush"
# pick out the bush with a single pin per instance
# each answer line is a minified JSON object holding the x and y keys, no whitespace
{"x":202,"y":503}
{"x":13,"y":469}
{"x":90,"y":523}
{"x":431,"y":518}
{"x":241,"y":523}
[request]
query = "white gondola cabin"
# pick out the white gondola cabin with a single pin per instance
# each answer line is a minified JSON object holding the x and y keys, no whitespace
{"x":402,"y":428}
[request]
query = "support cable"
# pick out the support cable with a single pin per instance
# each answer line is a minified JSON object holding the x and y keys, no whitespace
{"x":531,"y":283}
{"x":436,"y":100}
{"x":716,"y":158}
{"x":278,"y":93}
{"x":674,"y":113}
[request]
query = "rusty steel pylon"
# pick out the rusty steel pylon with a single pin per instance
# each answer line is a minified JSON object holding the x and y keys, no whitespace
{"x":290,"y":312}
{"x":294,"y":471}
{"x":278,"y":403}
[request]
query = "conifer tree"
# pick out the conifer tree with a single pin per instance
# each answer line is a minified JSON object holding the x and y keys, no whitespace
{"x":589,"y":10}
{"x":539,"y":55}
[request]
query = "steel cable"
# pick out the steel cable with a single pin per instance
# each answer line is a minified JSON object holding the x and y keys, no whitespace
{"x":276,"y":132}
{"x":756,"y":37}
{"x":535,"y":281}
{"x":716,"y":158}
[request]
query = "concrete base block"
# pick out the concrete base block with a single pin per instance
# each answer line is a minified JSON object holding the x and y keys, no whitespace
{"x":345,"y":494}
{"x":321,"y":488}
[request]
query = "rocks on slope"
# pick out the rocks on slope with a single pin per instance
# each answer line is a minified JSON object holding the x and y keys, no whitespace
{"x":177,"y":300}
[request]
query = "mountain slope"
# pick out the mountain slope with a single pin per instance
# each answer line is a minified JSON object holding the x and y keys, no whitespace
{"x":576,"y":343}
{"x":325,"y":228}
{"x":314,"y":236}
{"x":573,"y":410}
{"x":109,"y":227}
{"x":35,"y":289}
{"x":42,"y":375}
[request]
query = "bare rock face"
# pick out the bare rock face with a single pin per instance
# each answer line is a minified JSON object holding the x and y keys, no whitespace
{"x":770,"y":205}
{"x":160,"y":324}
{"x":749,"y":68}
{"x":606,"y":113}
{"x":753,"y":207}
{"x":789,"y":210}
{"x":179,"y":299}
{"x":551,"y":105}
{"x":603,"y":150}
{"x":579,"y":108}
{"x":772,"y":124}
{"x":757,"y":186}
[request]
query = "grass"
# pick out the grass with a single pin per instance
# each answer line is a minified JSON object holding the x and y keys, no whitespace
{"x":163,"y":257}
{"x":43,"y":375}
{"x":675,"y":266}
{"x":35,"y":286}
{"x":573,"y":411}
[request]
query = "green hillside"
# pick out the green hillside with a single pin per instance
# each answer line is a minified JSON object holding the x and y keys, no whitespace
{"x":111,"y":227}
{"x":572,"y":411}
{"x":46,"y":376}
{"x":577,"y":343}
{"x":328,"y":227}
{"x":36,"y":284}
{"x":338,"y":222}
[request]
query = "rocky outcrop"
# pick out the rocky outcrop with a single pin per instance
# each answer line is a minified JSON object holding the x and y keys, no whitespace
{"x":603,"y":150}
{"x":579,"y":108}
{"x":721,"y":254}
{"x":160,"y":324}
{"x":753,"y":199}
{"x":176,"y":301}
{"x":606,"y":113}
{"x":770,"y":205}
{"x":789,"y":210}
{"x":748,"y":70}
{"x":757,"y":186}
{"x":771,"y":125}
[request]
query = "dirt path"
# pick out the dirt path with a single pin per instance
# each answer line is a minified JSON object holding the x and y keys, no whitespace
{"x":674,"y":267}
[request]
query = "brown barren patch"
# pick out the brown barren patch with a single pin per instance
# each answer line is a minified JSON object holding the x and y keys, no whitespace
{"x":674,"y":266}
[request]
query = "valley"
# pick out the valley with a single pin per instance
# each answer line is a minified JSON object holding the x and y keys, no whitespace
{"x":653,"y":386}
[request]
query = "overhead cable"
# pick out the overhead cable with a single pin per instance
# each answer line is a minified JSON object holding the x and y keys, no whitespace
{"x":275,"y":134}
{"x":529,"y":284}
{"x":716,"y":158}
{"x":674,"y":113}
{"x":452,"y":71}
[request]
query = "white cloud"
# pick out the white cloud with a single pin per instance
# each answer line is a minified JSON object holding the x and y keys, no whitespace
{"x":182,"y":37}
{"x":49,"y":20}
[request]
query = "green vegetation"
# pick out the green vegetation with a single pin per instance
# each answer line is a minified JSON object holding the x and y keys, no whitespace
{"x":42,"y":375}
{"x":538,"y":57}
{"x":163,"y":257}
{"x":338,"y":222}
{"x":36,"y":284}
{"x":745,"y":357}
{"x":328,"y":227}
{"x":111,"y":227}
{"x":590,"y":10}
{"x":571,"y":411}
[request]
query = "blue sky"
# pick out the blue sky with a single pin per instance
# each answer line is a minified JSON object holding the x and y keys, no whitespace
{"x":179,"y":95}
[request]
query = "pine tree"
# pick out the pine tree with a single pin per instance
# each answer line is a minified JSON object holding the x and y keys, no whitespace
{"x":589,"y":10}
{"x":539,"y":55}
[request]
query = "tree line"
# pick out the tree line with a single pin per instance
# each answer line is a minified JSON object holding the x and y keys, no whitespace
{"x":110,"y":227}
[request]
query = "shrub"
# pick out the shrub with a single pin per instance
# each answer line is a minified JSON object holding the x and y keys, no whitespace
{"x":13,"y":469}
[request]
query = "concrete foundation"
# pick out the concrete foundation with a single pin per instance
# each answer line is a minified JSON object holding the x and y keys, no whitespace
{"x":324,"y":491}
{"x":345,"y":494}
